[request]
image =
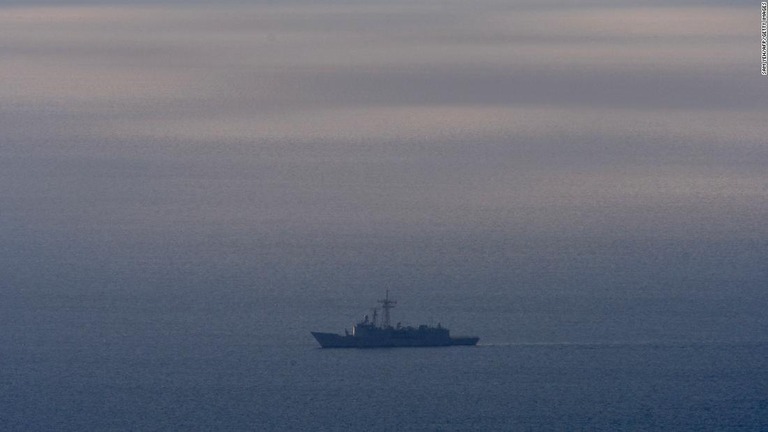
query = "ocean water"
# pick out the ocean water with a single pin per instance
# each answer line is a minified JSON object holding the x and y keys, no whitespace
{"x":146,"y":344}
{"x":225,"y":383}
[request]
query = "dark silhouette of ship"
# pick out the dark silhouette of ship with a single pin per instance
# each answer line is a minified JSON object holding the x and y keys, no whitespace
{"x":368,"y":333}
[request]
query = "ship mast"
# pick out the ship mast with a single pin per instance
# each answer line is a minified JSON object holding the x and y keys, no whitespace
{"x":387,"y":304}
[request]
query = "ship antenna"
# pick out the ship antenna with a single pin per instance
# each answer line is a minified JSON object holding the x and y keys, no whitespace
{"x":387,"y":304}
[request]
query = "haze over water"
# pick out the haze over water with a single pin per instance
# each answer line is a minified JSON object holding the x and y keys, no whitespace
{"x":189,"y":188}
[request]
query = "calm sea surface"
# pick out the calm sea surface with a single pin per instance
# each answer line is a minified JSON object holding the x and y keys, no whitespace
{"x":229,"y":383}
{"x":226,"y":347}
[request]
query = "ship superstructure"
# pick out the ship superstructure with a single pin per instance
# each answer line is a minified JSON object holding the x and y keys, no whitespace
{"x":369,"y":333}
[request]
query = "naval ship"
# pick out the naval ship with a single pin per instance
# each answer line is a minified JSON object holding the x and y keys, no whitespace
{"x":369,"y":333}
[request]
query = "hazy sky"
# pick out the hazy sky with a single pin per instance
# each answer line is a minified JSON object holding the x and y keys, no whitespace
{"x":197,"y":122}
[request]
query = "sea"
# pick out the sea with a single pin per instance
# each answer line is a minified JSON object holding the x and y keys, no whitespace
{"x":574,"y":336}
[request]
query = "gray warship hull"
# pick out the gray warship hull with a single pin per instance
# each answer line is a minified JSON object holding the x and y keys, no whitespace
{"x":333,"y":340}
